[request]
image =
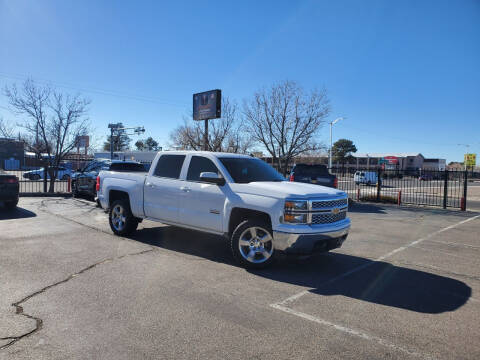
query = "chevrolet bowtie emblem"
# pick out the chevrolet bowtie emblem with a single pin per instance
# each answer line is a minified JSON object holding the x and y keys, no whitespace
{"x":335,"y":211}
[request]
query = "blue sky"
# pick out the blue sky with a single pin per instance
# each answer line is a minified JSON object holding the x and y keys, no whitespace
{"x":406,"y":74}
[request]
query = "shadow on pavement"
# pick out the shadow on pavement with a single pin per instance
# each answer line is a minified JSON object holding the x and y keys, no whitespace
{"x":366,"y":208}
{"x":377,"y":282}
{"x":17,"y":213}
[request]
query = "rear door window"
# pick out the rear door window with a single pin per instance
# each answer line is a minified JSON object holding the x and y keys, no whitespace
{"x":199,"y":164}
{"x":169,"y":166}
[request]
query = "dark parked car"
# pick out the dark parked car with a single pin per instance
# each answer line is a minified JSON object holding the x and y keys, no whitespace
{"x":84,"y":180}
{"x":425,"y":177}
{"x":313,"y":174}
{"x":9,"y":189}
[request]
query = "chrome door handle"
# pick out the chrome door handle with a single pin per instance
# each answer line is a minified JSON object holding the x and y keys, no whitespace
{"x":185,"y":189}
{"x":150,"y":185}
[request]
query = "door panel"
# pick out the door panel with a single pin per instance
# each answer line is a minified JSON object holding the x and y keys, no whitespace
{"x":162,"y":198}
{"x":202,"y":205}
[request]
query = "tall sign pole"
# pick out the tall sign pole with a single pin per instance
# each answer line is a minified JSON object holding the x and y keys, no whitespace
{"x":207,"y":105}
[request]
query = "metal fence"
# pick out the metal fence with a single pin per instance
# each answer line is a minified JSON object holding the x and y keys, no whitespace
{"x":36,"y":183}
{"x":427,"y":187}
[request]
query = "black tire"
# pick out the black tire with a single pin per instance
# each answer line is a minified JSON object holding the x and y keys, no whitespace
{"x":261,"y":229}
{"x":10,"y":205}
{"x":65,"y":177}
{"x":127,"y":223}
{"x":35,"y":177}
{"x":74,"y":190}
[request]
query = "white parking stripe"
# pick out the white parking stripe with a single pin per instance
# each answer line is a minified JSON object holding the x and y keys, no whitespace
{"x":349,"y":331}
{"x":281,"y":305}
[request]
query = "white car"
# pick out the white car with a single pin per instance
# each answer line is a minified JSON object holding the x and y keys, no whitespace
{"x":240,"y":197}
{"x":365,"y":177}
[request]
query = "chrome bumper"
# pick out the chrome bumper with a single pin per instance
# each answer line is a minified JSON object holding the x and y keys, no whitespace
{"x":307,"y":243}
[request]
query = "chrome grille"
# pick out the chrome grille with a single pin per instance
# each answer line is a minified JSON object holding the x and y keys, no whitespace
{"x":329,"y":203}
{"x":328,"y":218}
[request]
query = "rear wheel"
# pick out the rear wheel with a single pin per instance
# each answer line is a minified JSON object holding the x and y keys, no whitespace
{"x":65,"y":177}
{"x":121,"y":219}
{"x":35,"y":177}
{"x":10,"y":205}
{"x":252,"y":244}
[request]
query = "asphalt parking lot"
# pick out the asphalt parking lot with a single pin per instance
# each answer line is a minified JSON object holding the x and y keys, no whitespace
{"x":405,"y":285}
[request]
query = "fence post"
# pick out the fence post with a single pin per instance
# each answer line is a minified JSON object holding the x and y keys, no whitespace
{"x":45,"y":172}
{"x":463,"y":205}
{"x":379,"y":183}
{"x":445,"y":189}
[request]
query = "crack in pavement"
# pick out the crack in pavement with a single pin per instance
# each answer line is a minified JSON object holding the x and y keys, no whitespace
{"x":38,"y":321}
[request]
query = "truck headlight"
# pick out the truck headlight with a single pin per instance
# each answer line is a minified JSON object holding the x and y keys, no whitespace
{"x":295,"y":218}
{"x":295,"y":205}
{"x":295,"y":212}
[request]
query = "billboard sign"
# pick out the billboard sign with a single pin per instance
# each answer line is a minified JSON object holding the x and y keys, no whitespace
{"x":82,"y":141}
{"x":470,"y":160}
{"x":207,"y":105}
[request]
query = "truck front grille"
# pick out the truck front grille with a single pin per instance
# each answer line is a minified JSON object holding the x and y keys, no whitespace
{"x":319,"y":204}
{"x":328,"y":218}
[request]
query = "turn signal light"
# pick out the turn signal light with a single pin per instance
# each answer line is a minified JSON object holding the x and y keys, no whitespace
{"x":335,"y":183}
{"x":97,"y":185}
{"x":292,"y":178}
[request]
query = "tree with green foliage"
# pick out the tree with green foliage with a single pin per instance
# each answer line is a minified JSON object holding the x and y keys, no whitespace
{"x":148,"y":144}
{"x":342,"y":150}
{"x":121,"y":140}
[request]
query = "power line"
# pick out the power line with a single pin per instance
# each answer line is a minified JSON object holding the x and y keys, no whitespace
{"x":94,"y":90}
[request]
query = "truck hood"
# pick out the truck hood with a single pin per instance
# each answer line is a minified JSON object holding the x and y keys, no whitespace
{"x":286,"y":189}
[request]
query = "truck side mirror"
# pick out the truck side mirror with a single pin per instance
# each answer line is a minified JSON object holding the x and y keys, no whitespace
{"x":212,"y":177}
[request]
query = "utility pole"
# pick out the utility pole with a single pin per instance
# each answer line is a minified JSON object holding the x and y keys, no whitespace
{"x":331,"y":145}
{"x":205,"y":140}
{"x":115,"y":129}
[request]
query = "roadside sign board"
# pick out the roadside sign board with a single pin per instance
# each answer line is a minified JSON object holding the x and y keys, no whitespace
{"x":470,"y":160}
{"x":207,"y":105}
{"x":83,"y":141}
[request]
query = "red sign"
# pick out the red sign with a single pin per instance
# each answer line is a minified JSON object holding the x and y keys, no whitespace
{"x":391,"y":160}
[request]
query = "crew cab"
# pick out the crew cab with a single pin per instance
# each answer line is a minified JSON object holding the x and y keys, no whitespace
{"x":238,"y":196}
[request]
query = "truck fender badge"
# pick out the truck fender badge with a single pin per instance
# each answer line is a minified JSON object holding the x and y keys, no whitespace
{"x":214,"y":211}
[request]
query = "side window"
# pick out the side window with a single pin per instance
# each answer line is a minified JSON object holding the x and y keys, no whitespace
{"x":169,"y":166}
{"x":199,"y":164}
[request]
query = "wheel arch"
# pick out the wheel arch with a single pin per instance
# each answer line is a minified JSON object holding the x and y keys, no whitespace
{"x":239,"y":214}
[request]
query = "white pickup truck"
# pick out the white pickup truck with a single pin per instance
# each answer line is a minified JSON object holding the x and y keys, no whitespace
{"x":238,"y":196}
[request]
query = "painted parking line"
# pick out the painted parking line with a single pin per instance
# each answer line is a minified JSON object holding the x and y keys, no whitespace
{"x":282,"y":305}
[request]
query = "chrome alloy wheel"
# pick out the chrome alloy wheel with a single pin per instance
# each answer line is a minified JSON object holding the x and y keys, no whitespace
{"x":118,"y":218}
{"x":256,"y":245}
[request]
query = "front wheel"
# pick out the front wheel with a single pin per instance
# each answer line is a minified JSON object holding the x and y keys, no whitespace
{"x":252,"y":244}
{"x":122,"y":222}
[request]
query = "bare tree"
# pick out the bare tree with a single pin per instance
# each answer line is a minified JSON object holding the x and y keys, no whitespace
{"x":286,"y":120}
{"x":53,"y":120}
{"x":6,"y":130}
{"x":225,"y":134}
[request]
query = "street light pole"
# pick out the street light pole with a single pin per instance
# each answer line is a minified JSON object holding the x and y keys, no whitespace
{"x":330,"y":156}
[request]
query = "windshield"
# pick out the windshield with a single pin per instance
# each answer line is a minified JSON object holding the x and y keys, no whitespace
{"x":245,"y":170}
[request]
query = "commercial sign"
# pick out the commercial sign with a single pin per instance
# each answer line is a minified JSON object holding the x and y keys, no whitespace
{"x":470,"y":160}
{"x":390,"y":160}
{"x":207,"y":105}
{"x":82,"y":141}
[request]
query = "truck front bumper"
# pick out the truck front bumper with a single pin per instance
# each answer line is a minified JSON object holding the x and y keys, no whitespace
{"x":330,"y":238}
